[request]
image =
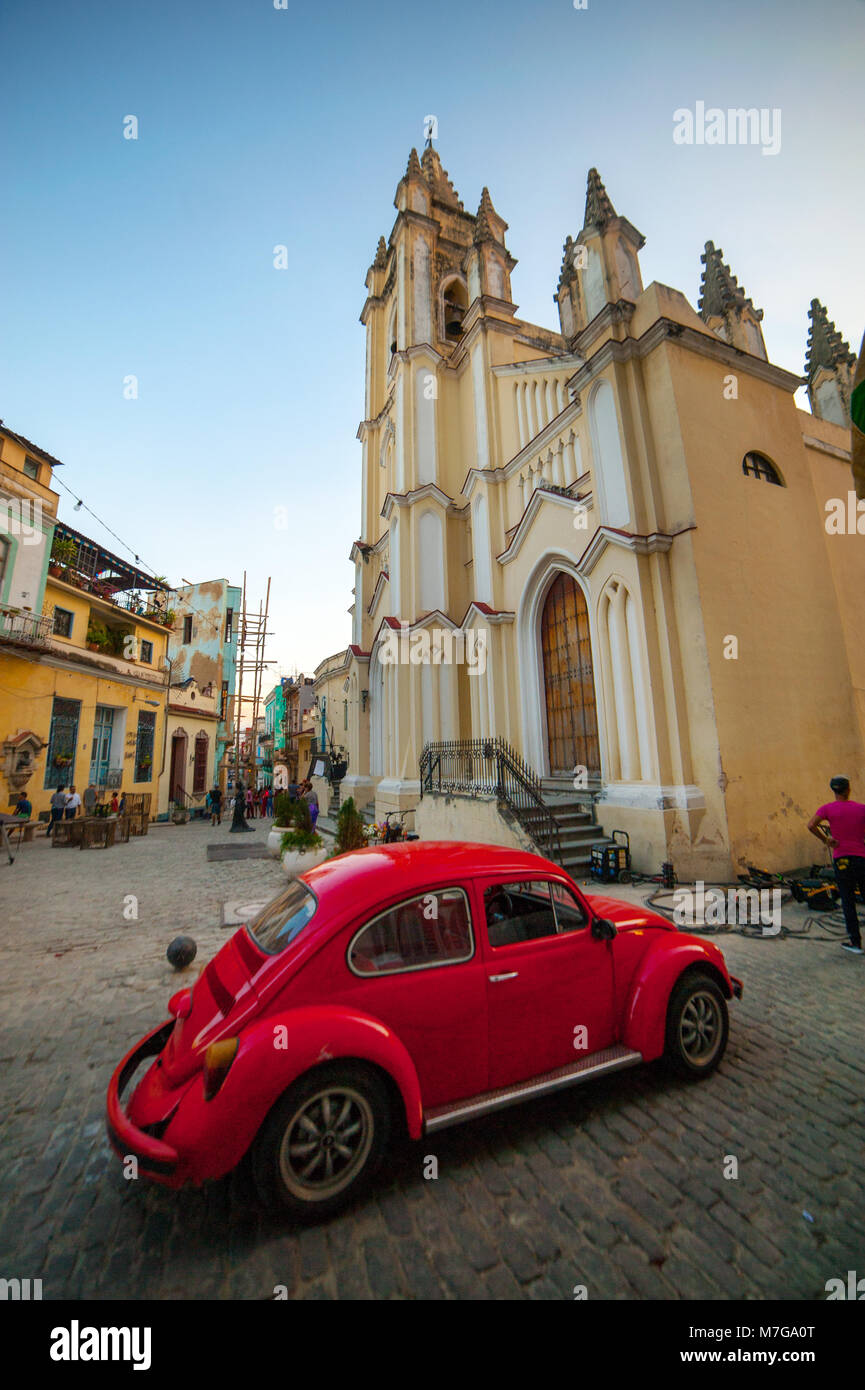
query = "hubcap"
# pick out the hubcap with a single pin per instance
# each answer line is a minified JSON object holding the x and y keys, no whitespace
{"x":326,"y":1143}
{"x":700,"y":1028}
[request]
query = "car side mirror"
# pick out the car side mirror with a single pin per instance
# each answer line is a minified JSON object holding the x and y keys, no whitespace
{"x":602,"y":929}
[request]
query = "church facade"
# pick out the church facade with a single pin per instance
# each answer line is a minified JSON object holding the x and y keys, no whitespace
{"x":608,"y":545}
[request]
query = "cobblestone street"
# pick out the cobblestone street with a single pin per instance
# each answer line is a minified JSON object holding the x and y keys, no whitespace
{"x":617,"y":1185}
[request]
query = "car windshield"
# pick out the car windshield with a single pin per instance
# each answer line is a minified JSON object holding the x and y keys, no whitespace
{"x":282,"y":921}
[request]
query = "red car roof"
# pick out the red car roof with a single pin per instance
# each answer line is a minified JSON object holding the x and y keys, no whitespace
{"x":375,"y":874}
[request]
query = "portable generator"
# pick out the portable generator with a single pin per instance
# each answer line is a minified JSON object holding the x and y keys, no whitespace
{"x":817,"y":893}
{"x":612,"y":863}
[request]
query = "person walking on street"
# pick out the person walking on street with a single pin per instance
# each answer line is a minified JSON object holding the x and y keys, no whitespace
{"x":216,"y":806}
{"x":89,"y":800}
{"x":846,"y":839}
{"x":58,"y":806}
{"x":270,"y":801}
{"x":115,"y":805}
{"x":73,"y":804}
{"x":250,"y":804}
{"x":311,"y":799}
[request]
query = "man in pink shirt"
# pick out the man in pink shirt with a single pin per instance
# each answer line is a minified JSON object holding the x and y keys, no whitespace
{"x":846,"y":837}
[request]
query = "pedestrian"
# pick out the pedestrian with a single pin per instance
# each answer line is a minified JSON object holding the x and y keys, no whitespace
{"x":73,"y":804}
{"x":115,"y":805}
{"x":58,"y":806}
{"x":846,"y":839}
{"x":121,"y":805}
{"x":89,"y":799}
{"x":23,"y":807}
{"x":270,"y":801}
{"x":216,"y":806}
{"x":250,"y":804}
{"x":311,"y":799}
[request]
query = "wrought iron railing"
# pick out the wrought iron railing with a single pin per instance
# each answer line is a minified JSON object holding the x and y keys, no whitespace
{"x":490,"y":766}
{"x":26,"y":629}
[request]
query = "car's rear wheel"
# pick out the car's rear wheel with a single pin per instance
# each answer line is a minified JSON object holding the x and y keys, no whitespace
{"x":323,"y":1141}
{"x":697,"y":1026}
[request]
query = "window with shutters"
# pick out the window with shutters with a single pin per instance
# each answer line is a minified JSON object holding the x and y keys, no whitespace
{"x":199,"y":774}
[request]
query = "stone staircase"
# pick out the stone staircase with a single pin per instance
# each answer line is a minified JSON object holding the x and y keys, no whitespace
{"x":578,"y":832}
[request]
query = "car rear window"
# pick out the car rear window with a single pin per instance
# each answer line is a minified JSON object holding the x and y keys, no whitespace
{"x":283,"y":920}
{"x":433,"y":929}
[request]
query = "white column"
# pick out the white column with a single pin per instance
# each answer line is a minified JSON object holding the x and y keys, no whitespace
{"x":623,"y":685}
{"x":640,"y":702}
{"x":614,"y":761}
{"x":522,"y":422}
{"x":531,"y":417}
{"x":558,"y":475}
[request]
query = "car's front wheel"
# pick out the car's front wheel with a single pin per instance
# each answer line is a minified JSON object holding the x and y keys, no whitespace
{"x":697,"y":1026}
{"x":323,"y":1141}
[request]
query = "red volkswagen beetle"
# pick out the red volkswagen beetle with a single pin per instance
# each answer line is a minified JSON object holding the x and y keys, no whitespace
{"x":414,"y":985}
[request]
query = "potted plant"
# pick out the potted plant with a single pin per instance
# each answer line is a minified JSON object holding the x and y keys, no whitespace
{"x":301,"y":848}
{"x":97,"y":636}
{"x":167,"y":618}
{"x":63,"y":557}
{"x":349,"y":829}
{"x":283,"y":816}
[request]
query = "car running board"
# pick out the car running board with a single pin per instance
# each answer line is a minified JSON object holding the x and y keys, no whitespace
{"x":597,"y":1064}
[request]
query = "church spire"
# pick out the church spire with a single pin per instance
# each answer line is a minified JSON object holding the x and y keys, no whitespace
{"x":488,"y":226}
{"x":719,"y":289}
{"x":826,"y":347}
{"x":380,"y":254}
{"x":599,"y":209}
{"x":413,"y":169}
{"x":440,"y":185}
{"x":724,"y":306}
{"x":601,"y":266}
{"x":829,"y":368}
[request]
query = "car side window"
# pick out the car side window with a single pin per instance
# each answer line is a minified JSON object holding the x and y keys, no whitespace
{"x":430,"y":929}
{"x":570,"y":913}
{"x":519,"y":912}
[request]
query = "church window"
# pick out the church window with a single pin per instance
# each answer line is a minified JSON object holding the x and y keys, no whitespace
{"x":758,"y":466}
{"x":391,"y":330}
{"x":454,"y":306}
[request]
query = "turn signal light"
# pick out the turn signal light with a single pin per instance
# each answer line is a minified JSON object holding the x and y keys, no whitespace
{"x":217,"y":1062}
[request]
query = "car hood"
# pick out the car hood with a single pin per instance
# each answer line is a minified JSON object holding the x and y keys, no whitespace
{"x":216,"y":1006}
{"x":627,"y":916}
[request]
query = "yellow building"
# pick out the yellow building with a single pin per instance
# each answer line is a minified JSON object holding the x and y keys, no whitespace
{"x":614,"y":546}
{"x":83,"y":675}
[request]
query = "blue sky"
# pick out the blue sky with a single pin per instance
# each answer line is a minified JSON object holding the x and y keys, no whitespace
{"x":259,"y":126}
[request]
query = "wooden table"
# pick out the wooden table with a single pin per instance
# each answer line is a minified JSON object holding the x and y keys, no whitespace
{"x":7,"y":824}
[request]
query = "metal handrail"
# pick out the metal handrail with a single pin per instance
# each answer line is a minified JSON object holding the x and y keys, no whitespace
{"x":492,"y":766}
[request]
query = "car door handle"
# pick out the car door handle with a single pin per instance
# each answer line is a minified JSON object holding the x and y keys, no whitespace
{"x":510,"y":975}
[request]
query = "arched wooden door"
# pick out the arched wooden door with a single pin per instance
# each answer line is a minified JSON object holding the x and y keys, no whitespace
{"x":177,"y":774}
{"x":569,"y":682}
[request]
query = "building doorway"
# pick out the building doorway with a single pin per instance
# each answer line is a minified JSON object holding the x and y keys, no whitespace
{"x":177,"y":775}
{"x":100,"y":752}
{"x":569,"y":682}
